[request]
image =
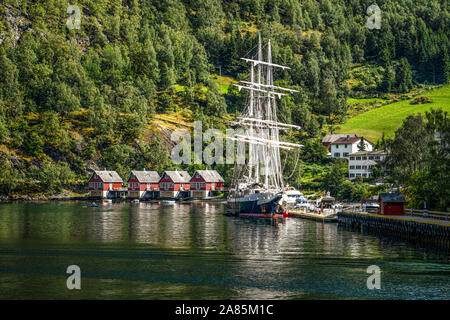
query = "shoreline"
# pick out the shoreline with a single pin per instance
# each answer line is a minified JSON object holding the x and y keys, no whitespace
{"x":87,"y":198}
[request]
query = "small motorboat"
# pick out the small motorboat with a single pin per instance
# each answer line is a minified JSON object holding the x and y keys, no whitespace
{"x":93,"y":204}
{"x":168,"y":202}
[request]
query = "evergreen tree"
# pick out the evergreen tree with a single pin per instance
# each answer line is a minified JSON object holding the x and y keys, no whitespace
{"x":404,"y":76}
{"x":361,"y":145}
{"x":388,"y":79}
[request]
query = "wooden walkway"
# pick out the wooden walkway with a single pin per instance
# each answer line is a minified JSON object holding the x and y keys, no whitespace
{"x":312,"y":216}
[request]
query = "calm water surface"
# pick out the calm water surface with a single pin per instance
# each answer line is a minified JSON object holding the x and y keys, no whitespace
{"x":189,"y":251}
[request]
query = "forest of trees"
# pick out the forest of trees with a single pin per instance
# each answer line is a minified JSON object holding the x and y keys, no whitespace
{"x":75,"y":100}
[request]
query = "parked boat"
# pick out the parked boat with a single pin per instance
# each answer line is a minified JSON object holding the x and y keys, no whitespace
{"x":168,"y":202}
{"x":327,"y":205}
{"x":292,"y":197}
{"x":257,"y":188}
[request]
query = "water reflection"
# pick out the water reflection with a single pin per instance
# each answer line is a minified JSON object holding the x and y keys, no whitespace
{"x":147,"y":250}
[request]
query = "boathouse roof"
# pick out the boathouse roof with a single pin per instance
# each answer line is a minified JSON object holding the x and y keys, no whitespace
{"x":392,"y":197}
{"x":108,"y":176}
{"x":209,"y":175}
{"x":146,"y":176}
{"x":178,"y":176}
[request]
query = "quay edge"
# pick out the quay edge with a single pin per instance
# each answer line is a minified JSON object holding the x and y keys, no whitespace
{"x":426,"y":231}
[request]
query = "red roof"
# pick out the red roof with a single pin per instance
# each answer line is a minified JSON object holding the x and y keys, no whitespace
{"x":346,"y":140}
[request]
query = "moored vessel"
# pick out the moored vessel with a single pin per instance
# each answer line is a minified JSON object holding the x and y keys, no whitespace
{"x":257,"y":189}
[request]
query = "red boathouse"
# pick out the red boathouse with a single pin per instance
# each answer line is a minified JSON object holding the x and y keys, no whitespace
{"x":391,"y":204}
{"x":205,"y":182}
{"x":173,"y":183}
{"x":105,"y":184}
{"x":143,"y":184}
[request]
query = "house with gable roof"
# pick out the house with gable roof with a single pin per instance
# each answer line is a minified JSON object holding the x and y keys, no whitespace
{"x":105,"y":184}
{"x":204,"y":183}
{"x":143,"y":184}
{"x":174,"y":184}
{"x":344,"y":146}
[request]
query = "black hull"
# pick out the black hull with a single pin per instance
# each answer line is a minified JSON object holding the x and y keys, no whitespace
{"x":255,"y":208}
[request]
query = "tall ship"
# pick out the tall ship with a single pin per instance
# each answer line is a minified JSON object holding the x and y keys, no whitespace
{"x":257,"y":186}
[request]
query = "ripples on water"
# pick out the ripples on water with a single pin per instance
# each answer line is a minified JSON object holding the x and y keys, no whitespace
{"x":189,"y":251}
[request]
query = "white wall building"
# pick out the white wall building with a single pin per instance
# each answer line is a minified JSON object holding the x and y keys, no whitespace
{"x":361,"y":163}
{"x":344,"y":146}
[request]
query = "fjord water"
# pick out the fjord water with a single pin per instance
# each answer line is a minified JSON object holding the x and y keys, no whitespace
{"x":190,"y":251}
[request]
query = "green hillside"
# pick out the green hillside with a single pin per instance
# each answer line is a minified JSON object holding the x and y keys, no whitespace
{"x":108,"y":93}
{"x":388,"y":118}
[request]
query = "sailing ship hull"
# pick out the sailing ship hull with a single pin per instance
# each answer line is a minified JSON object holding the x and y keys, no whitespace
{"x":255,"y":208}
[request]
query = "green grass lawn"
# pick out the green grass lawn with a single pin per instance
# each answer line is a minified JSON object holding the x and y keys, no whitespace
{"x":364,"y":100}
{"x":388,"y":118}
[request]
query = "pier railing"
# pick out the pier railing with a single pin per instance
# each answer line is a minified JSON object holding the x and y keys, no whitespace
{"x":428,"y":214}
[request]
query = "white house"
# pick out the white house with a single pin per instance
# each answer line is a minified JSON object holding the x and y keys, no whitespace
{"x":361,"y":163}
{"x":342,"y":147}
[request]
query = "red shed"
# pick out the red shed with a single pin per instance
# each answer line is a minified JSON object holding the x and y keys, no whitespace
{"x":102,"y":182}
{"x":204,"y":182}
{"x":174,"y":182}
{"x":141,"y":182}
{"x":391,"y":204}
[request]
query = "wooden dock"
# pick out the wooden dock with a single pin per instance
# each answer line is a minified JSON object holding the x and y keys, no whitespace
{"x":421,"y":229}
{"x":312,"y":216}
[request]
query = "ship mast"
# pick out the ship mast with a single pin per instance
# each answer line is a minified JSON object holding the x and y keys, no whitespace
{"x":260,"y":120}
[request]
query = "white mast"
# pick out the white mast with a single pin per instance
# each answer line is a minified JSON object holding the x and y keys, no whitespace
{"x":261,"y":120}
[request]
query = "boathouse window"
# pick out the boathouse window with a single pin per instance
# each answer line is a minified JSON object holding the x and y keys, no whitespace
{"x":352,"y":167}
{"x":364,"y":158}
{"x":337,"y":146}
{"x":337,"y":154}
{"x":364,"y":167}
{"x":358,"y":158}
{"x":371,"y":158}
{"x":358,"y":167}
{"x":377,"y":157}
{"x":345,"y":154}
{"x":352,"y":158}
{"x":352,"y":175}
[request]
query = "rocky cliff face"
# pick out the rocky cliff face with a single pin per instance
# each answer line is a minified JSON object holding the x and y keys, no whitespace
{"x":13,"y":22}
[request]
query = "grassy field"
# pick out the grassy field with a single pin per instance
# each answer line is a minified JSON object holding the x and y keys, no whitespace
{"x":364,"y":100}
{"x":388,"y":118}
